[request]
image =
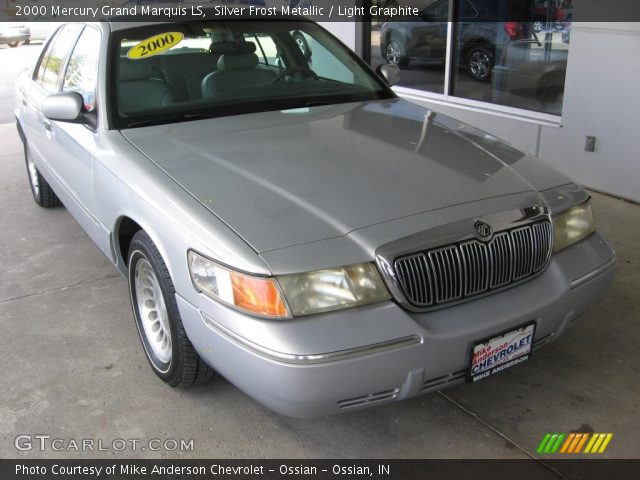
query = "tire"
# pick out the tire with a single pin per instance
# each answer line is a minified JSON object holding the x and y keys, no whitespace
{"x":393,"y":53}
{"x":14,"y":44}
{"x":42,"y":192}
{"x":480,"y":60}
{"x":302,"y":43}
{"x":164,"y":340}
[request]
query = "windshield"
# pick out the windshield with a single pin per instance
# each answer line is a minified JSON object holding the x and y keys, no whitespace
{"x":183,"y":71}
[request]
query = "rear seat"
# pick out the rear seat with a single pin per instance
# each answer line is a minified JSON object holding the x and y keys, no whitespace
{"x":182,"y":72}
{"x":185,"y":72}
{"x":139,"y":89}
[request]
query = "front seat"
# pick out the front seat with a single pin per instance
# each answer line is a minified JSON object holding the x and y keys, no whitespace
{"x":236,"y":69}
{"x":138,"y":90}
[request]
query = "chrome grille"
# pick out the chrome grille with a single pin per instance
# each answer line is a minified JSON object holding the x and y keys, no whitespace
{"x":470,"y":268}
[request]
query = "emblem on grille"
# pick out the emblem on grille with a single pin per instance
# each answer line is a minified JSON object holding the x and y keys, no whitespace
{"x":483,"y":229}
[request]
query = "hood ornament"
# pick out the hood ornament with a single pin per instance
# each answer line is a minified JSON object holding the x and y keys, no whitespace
{"x":484,"y":230}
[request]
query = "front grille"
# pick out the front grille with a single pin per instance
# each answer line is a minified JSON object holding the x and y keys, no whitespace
{"x":470,"y":268}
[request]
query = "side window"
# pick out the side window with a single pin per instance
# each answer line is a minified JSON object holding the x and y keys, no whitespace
{"x":82,"y":72}
{"x":53,"y":60}
{"x":39,"y":76}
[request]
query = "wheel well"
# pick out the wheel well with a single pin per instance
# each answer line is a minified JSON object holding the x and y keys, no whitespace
{"x":127,"y":228}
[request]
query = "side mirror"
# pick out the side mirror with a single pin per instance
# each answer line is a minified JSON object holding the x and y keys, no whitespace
{"x":390,"y":73}
{"x":64,"y":107}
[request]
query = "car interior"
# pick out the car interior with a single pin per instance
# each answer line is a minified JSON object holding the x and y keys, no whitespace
{"x":226,"y":65}
{"x":185,"y":74}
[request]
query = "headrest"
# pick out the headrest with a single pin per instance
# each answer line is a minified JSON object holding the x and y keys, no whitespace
{"x":131,"y":70}
{"x":232,"y":48}
{"x":237,"y":62}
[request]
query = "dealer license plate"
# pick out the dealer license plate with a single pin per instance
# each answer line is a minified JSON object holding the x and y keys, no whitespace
{"x":501,"y":352}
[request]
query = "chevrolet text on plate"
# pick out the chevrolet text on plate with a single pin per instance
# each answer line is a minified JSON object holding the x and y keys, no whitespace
{"x":285,"y":220}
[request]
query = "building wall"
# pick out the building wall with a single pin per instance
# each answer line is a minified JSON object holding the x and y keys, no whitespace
{"x":601,"y":99}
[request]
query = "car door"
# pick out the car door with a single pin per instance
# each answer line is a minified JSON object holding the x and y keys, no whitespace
{"x":74,"y":144}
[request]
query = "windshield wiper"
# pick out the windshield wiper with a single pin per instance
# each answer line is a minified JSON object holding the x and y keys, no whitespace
{"x":185,"y":117}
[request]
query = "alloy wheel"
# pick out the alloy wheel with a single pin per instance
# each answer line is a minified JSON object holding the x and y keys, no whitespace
{"x":393,"y":52}
{"x":480,"y":64}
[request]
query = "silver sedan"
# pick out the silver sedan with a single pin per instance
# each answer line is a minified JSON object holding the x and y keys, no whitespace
{"x":284,"y":219}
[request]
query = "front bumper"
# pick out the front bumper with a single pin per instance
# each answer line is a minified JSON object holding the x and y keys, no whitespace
{"x":356,"y":358}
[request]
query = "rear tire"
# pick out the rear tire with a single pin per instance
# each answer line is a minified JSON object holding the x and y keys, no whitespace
{"x":42,"y":192}
{"x":153,"y":299}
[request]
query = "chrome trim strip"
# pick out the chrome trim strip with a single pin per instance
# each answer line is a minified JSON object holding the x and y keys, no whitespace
{"x":578,"y":282}
{"x":316,"y":358}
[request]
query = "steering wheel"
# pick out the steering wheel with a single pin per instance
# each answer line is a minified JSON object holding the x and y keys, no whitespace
{"x":289,"y":71}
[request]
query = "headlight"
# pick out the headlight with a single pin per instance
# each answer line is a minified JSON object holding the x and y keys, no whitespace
{"x":573,"y":225}
{"x":333,"y":289}
{"x":257,"y":295}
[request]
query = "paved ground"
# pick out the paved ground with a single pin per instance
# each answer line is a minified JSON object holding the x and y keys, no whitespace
{"x":73,"y":367}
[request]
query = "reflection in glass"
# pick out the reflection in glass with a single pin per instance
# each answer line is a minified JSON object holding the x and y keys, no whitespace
{"x":519,"y":64}
{"x":417,"y":46}
{"x":506,"y":52}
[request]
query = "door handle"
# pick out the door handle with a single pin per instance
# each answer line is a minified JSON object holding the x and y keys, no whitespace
{"x":48,"y":125}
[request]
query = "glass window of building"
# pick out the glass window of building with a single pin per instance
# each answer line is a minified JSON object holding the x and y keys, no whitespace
{"x":510,"y":53}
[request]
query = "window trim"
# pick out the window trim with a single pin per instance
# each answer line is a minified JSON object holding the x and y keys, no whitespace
{"x":45,"y":49}
{"x":529,"y":116}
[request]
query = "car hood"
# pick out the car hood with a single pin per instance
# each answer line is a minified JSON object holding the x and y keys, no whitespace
{"x":291,"y":177}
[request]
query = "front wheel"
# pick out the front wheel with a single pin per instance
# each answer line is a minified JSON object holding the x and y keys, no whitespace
{"x":165,"y":342}
{"x":480,"y":63}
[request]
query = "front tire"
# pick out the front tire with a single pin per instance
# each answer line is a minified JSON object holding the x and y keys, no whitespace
{"x":42,"y":192}
{"x":164,"y":340}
